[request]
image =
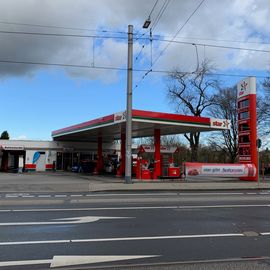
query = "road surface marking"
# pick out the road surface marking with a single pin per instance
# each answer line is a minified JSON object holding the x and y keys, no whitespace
{"x":60,"y":261}
{"x":21,"y":263}
{"x":189,"y":236}
{"x":265,"y":233}
{"x":44,"y":196}
{"x":28,"y":196}
{"x":132,"y":194}
{"x":211,"y":193}
{"x":11,"y":196}
{"x":138,"y":208}
{"x":60,"y":196}
{"x":177,"y":193}
{"x":35,"y":242}
{"x":61,"y":221}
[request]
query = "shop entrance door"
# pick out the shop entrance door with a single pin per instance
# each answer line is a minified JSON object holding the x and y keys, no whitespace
{"x":41,"y":163}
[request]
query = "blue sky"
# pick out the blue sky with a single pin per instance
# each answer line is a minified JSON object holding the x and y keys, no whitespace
{"x":36,"y":100}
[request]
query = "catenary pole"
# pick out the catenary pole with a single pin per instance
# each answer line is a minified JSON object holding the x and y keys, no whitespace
{"x":128,"y":178}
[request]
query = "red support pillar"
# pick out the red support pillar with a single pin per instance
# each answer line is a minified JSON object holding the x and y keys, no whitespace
{"x":157,"y":156}
{"x":99,"y":155}
{"x":121,"y":169}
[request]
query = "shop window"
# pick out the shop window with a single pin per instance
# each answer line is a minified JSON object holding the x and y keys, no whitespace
{"x":243,"y":104}
{"x":243,"y":115}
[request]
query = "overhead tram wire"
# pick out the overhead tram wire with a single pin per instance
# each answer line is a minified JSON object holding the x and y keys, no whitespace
{"x":178,"y":31}
{"x":162,"y":10}
{"x":139,"y":37}
{"x":118,"y":68}
{"x":59,"y":34}
{"x":124,"y":38}
{"x":212,"y":45}
{"x":61,"y":27}
{"x":153,"y":8}
{"x":166,"y":47}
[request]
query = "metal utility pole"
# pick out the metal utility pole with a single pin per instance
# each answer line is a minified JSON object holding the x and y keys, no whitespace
{"x":128,"y":171}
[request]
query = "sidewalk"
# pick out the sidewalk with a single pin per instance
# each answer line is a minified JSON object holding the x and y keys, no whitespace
{"x":171,"y":185}
{"x":72,"y":182}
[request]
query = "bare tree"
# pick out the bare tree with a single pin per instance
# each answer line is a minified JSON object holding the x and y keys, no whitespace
{"x":263,"y":106}
{"x":192,"y":94}
{"x":226,"y":107}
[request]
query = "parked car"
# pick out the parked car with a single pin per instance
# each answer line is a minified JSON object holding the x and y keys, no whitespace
{"x":85,"y":166}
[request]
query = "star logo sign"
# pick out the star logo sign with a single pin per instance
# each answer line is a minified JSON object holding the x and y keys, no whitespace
{"x":243,"y":88}
{"x":226,"y":123}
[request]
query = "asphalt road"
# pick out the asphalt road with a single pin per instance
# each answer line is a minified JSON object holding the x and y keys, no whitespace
{"x":210,"y":230}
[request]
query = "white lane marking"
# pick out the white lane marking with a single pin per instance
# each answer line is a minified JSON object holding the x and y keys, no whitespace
{"x":76,"y":195}
{"x":138,"y":208}
{"x":60,"y":195}
{"x":159,"y":237}
{"x":132,"y":194}
{"x":44,"y":196}
{"x":35,"y":242}
{"x":61,"y":221}
{"x":211,"y":193}
{"x":28,"y":196}
{"x":60,"y":261}
{"x":21,"y":263}
{"x":11,"y":196}
{"x":251,"y":193}
{"x":188,"y":236}
{"x":265,"y":233}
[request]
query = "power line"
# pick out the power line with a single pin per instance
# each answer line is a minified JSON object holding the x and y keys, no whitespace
{"x":175,"y":35}
{"x":224,"y":40}
{"x":121,"y":69}
{"x":162,"y":10}
{"x":140,"y":38}
{"x":153,"y":8}
{"x":149,"y":18}
{"x":60,"y":27}
{"x":58,"y":34}
{"x":212,"y":45}
{"x":178,"y":31}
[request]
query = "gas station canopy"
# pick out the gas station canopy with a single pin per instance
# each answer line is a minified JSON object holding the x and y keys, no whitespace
{"x":143,"y":125}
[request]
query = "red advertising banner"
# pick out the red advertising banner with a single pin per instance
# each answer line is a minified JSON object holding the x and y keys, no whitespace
{"x":221,"y":170}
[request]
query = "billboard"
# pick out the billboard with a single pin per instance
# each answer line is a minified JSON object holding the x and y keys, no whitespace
{"x":219,"y":170}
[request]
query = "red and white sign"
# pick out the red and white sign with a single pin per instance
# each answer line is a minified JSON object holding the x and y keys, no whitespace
{"x":12,"y":147}
{"x":163,"y":149}
{"x":220,"y":123}
{"x":221,"y":170}
{"x":120,"y":117}
{"x":246,"y":87}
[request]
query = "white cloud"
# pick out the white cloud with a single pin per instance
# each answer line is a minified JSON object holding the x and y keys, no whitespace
{"x":234,"y":20}
{"x":20,"y":137}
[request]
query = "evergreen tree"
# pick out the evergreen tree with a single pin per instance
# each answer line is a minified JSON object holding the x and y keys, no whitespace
{"x":4,"y":135}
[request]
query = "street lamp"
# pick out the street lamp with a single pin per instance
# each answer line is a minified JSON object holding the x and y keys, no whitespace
{"x":147,"y":23}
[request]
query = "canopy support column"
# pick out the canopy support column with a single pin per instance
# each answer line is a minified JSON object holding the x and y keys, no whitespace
{"x":157,"y":155}
{"x":99,"y":155}
{"x":122,"y":166}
